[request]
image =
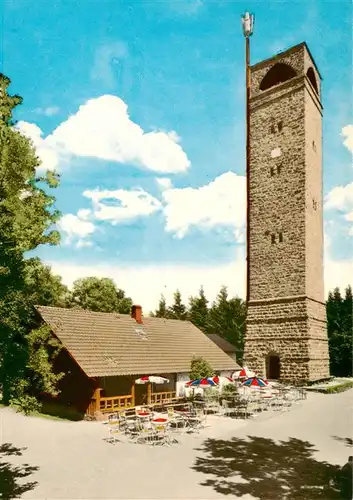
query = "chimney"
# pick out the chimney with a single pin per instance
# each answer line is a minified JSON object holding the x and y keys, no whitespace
{"x":136,"y":313}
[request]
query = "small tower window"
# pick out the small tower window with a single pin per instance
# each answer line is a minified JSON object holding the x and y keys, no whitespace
{"x":279,"y":169}
{"x":273,"y":130}
{"x":273,"y":239}
{"x":272,"y":171}
{"x":280,"y":237}
{"x":314,"y":146}
{"x":314,"y":204}
{"x":280,"y":126}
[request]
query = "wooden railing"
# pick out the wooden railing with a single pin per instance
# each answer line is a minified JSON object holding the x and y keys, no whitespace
{"x":115,"y":403}
{"x":160,"y":397}
{"x":110,"y":404}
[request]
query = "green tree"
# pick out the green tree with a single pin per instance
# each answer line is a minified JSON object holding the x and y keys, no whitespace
{"x":200,"y":368}
{"x":227,"y":319}
{"x":27,"y":216}
{"x":198,"y":310}
{"x":162,"y":311}
{"x":124,"y":303}
{"x":339,"y":330}
{"x":45,"y":288}
{"x":178,"y":309}
{"x":100,"y":295}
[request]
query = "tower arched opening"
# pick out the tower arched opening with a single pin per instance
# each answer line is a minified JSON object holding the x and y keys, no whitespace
{"x":279,"y":73}
{"x":312,"y":78}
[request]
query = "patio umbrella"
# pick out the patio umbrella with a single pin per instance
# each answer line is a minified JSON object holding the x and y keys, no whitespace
{"x":245,"y":373}
{"x":223,"y":380}
{"x":202,"y":382}
{"x":255,"y":382}
{"x":151,"y":379}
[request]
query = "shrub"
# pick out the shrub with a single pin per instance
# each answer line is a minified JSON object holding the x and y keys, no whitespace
{"x":200,"y":368}
{"x":333,"y":389}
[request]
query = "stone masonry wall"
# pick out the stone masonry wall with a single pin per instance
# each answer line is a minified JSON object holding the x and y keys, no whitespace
{"x":277,"y":197}
{"x":286,"y":313}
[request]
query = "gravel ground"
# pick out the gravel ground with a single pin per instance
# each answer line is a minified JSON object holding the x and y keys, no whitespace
{"x":265,"y":457}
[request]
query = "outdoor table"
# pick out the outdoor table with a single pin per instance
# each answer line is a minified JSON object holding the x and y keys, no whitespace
{"x":144,"y":414}
{"x":160,"y":420}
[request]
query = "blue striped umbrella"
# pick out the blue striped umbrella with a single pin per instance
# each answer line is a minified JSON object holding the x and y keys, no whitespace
{"x":201,"y":382}
{"x":255,"y":382}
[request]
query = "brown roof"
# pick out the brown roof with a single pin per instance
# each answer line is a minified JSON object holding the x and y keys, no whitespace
{"x":108,"y":344}
{"x":222,"y":343}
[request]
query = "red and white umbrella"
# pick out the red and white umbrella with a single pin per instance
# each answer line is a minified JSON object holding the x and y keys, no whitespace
{"x":201,"y":382}
{"x":223,"y":380}
{"x":255,"y":382}
{"x":151,"y":379}
{"x":245,"y":372}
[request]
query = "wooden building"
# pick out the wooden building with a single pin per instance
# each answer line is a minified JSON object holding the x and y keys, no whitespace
{"x":104,"y":353}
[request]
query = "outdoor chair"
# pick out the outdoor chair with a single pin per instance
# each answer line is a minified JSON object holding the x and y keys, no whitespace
{"x":242,"y":408}
{"x":178,"y":420}
{"x":161,"y":434}
{"x":145,"y":432}
{"x":227,"y":409}
{"x":194,"y":420}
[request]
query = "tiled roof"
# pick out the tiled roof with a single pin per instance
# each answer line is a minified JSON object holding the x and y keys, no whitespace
{"x":222,"y":343}
{"x":108,"y":344}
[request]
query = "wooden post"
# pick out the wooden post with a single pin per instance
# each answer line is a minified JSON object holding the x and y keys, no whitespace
{"x":133,"y":394}
{"x":149,"y":390}
{"x":97,"y":397}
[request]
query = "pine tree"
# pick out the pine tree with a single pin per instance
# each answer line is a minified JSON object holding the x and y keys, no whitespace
{"x":178,"y":309}
{"x":198,"y":310}
{"x":339,"y":330}
{"x":162,"y":311}
{"x":227,"y":319}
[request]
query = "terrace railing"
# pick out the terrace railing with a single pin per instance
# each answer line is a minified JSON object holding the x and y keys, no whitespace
{"x":161,"y":397}
{"x":110,"y":404}
{"x":115,"y":403}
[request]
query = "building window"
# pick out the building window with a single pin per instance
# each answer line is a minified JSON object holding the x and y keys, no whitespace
{"x":314,"y":146}
{"x":314,"y":204}
{"x":273,"y":238}
{"x":272,"y":171}
{"x":280,"y":126}
{"x":280,"y":237}
{"x":279,"y":169}
{"x":273,"y":130}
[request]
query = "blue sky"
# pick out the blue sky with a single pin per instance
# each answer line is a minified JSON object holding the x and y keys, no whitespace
{"x":179,"y":68}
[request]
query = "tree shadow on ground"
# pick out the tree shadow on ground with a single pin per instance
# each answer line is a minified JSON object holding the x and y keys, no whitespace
{"x":11,"y":485}
{"x":266,"y":469}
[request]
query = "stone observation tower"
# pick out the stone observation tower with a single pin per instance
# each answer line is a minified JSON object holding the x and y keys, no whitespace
{"x":286,"y":325}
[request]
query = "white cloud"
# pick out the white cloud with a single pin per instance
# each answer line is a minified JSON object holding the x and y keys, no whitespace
{"x":76,"y":229}
{"x":219,"y":203}
{"x":119,"y":205}
{"x":146,"y":283}
{"x":102,"y":129}
{"x":347,"y":132}
{"x":341,"y":198}
{"x":45,"y":151}
{"x":84,"y":213}
{"x":164,"y":182}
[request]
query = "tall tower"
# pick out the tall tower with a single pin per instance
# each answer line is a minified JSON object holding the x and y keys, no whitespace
{"x":286,"y":325}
